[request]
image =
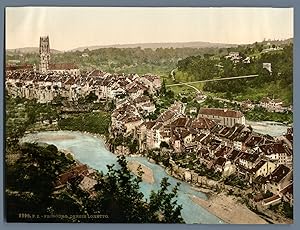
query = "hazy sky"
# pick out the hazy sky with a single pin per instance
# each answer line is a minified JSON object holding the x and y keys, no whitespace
{"x":72,"y":27}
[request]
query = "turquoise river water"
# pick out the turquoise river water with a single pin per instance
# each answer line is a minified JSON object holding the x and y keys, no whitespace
{"x":92,"y":151}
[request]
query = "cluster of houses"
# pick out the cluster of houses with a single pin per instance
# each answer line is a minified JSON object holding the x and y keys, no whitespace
{"x":235,"y":57}
{"x":223,"y":142}
{"x":129,"y":113}
{"x":80,"y":174}
{"x":273,"y":105}
{"x":45,"y":87}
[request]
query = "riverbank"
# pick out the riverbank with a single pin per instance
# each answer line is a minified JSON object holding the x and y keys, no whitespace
{"x":228,"y":209}
{"x":148,"y":177}
{"x":147,"y":172}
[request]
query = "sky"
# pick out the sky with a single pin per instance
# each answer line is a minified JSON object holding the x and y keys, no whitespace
{"x":72,"y":27}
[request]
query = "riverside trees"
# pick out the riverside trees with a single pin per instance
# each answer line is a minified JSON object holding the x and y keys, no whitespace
{"x":30,"y":189}
{"x":119,"y":197}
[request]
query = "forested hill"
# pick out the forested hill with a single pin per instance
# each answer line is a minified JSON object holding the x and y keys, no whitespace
{"x":128,"y":60}
{"x":163,"y":45}
{"x":277,"y":84}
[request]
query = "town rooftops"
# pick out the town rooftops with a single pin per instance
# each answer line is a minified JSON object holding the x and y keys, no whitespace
{"x":249,"y":157}
{"x":149,"y":124}
{"x":141,"y":99}
{"x":278,"y":174}
{"x":202,"y":123}
{"x":273,"y":148}
{"x":289,"y":137}
{"x":287,"y":189}
{"x":181,"y":122}
{"x":234,"y":155}
{"x":258,"y":166}
{"x":220,"y":161}
{"x":62,"y":66}
{"x":224,"y":150}
{"x":95,"y":73}
{"x":167,"y":115}
{"x":199,"y":137}
{"x":220,"y":112}
{"x":254,"y":141}
{"x":18,"y":67}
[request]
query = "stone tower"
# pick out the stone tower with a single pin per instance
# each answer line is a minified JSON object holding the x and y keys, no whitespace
{"x":44,"y":54}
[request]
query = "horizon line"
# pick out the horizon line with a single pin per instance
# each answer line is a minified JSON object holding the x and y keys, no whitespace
{"x":166,"y":42}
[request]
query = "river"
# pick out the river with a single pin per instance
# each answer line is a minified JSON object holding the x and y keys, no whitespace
{"x":268,"y":127}
{"x":92,"y":151}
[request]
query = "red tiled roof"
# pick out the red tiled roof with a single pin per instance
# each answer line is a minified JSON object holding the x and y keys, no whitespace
{"x":220,"y":161}
{"x":249,"y":157}
{"x":181,"y":122}
{"x":62,"y":66}
{"x":221,"y":112}
{"x":272,"y":148}
{"x":279,"y":173}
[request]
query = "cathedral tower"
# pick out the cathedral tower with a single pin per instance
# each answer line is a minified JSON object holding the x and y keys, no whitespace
{"x":44,"y":54}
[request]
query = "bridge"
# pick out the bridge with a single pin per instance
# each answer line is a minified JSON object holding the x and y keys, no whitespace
{"x":218,"y":79}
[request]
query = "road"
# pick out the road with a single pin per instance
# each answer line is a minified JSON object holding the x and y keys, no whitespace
{"x":219,"y":79}
{"x":198,"y":91}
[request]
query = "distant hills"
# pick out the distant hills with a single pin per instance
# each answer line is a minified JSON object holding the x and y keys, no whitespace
{"x":175,"y":45}
{"x":142,"y":45}
{"x":160,"y":45}
{"x":25,"y":50}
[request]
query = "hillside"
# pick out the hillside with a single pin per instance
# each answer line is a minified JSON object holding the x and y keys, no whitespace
{"x":275,"y":84}
{"x":160,"y":45}
{"x":126,"y":60}
{"x":26,"y":50}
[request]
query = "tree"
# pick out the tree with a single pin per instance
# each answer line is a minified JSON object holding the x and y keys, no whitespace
{"x":119,"y":197}
{"x":163,"y":88}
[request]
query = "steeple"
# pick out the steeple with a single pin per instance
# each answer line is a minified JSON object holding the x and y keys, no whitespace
{"x":44,"y":54}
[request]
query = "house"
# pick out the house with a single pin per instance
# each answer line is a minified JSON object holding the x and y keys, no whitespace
{"x":288,"y":194}
{"x":203,"y":125}
{"x":286,"y":139}
{"x":145,"y":135}
{"x":267,"y":66}
{"x":239,"y":142}
{"x":278,"y":179}
{"x":247,"y":60}
{"x":224,"y":117}
{"x":277,"y":152}
{"x":263,"y":168}
{"x":234,"y":57}
{"x":223,"y":151}
{"x":273,"y":200}
{"x":148,"y":108}
{"x":139,"y":101}
{"x":62,"y":68}
{"x":186,"y":136}
{"x":248,"y":160}
{"x":219,"y":164}
{"x":193,"y":110}
{"x":155,"y":81}
{"x":234,"y":156}
{"x":75,"y":172}
{"x":275,"y":105}
{"x":132,"y":122}
{"x":87,"y":184}
{"x":199,"y":137}
{"x":247,"y":104}
{"x":175,"y":141}
{"x":253,"y":141}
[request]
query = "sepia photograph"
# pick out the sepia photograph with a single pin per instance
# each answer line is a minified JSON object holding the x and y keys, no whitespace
{"x":148,"y":115}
